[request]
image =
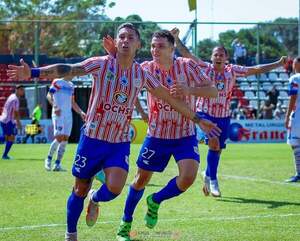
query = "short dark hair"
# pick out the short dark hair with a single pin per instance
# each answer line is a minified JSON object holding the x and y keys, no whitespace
{"x":19,"y":87}
{"x":130,"y":26}
{"x":222,"y":48}
{"x":164,"y":34}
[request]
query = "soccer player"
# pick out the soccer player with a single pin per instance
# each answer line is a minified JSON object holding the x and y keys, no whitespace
{"x":292,"y":119}
{"x":104,"y":142}
{"x":61,"y":98}
{"x":9,"y":118}
{"x":218,"y":110}
{"x":169,"y":132}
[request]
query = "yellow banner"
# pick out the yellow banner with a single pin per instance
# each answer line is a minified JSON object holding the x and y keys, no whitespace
{"x":192,"y":4}
{"x":138,"y":131}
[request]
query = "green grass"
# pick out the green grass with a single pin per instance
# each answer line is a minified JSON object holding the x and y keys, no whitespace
{"x":256,"y":204}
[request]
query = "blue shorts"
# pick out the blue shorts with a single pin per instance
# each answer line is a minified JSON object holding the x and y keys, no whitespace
{"x":156,"y":153}
{"x":93,"y":155}
{"x":223,"y":124}
{"x":9,"y":128}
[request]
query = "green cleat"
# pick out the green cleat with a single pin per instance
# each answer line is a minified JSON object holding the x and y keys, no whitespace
{"x":152,"y":212}
{"x":124,"y":231}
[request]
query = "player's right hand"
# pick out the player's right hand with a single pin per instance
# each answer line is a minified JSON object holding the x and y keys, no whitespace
{"x":21,"y":72}
{"x":175,"y":32}
{"x":109,"y":45}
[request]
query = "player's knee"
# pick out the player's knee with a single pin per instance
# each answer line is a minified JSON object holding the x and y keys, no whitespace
{"x":185,"y":181}
{"x":81,"y":189}
{"x":11,"y":138}
{"x":214,"y":144}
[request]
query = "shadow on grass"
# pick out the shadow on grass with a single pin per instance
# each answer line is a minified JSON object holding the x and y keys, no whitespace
{"x":150,"y":185}
{"x":30,"y":159}
{"x":269,"y":203}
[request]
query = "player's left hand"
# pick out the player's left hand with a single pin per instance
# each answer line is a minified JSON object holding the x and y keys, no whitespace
{"x":109,"y":45}
{"x":175,"y":32}
{"x":21,"y":72}
{"x":211,"y":129}
{"x":283,"y":60}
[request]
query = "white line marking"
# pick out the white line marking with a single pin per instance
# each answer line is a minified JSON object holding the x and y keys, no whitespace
{"x":253,"y":179}
{"x":233,"y":218}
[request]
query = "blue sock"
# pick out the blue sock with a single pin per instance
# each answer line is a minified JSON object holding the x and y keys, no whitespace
{"x":7,"y":147}
{"x":74,"y":209}
{"x":103,"y":195}
{"x":57,"y":162}
{"x":213,"y":158}
{"x":169,"y":191}
{"x":133,"y":197}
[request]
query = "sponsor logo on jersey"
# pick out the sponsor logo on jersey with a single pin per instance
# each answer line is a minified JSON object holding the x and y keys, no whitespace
{"x":124,"y":81}
{"x":121,"y":98}
{"x":220,"y":86}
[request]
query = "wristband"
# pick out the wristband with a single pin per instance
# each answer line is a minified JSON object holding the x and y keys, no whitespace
{"x":35,"y":72}
{"x":198,"y":116}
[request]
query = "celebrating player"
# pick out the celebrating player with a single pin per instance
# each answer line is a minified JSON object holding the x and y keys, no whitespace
{"x":218,"y":110}
{"x":9,"y":118}
{"x":169,"y":132}
{"x":117,"y":82}
{"x":61,"y":98}
{"x":292,"y":119}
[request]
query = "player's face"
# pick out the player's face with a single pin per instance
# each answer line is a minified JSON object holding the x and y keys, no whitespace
{"x":218,"y":57}
{"x":161,"y":49}
{"x":127,"y":42}
{"x":20,"y":92}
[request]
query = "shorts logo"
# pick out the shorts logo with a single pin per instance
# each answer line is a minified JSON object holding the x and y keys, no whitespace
{"x":196,"y":150}
{"x":146,"y":162}
{"x":121,"y":98}
{"x":127,"y":160}
{"x":59,"y":128}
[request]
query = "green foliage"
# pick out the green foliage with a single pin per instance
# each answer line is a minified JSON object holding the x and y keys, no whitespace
{"x":276,"y":38}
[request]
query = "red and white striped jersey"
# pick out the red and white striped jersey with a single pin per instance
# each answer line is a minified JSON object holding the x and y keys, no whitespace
{"x":224,"y":82}
{"x":164,"y":121}
{"x":11,"y":105}
{"x":113,"y":95}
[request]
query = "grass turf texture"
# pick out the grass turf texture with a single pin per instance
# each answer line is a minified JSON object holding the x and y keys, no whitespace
{"x":256,"y":204}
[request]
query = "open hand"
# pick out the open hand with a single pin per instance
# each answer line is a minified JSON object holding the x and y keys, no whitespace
{"x":21,"y":72}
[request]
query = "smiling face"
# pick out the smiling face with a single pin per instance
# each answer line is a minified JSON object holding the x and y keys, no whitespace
{"x":127,"y":41}
{"x":219,"y":57}
{"x":161,"y":49}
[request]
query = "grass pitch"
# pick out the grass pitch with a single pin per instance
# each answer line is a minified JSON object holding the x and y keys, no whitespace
{"x":256,"y":204}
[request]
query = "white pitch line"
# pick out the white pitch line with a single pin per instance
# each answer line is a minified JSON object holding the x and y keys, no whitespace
{"x":233,"y":218}
{"x":253,"y":179}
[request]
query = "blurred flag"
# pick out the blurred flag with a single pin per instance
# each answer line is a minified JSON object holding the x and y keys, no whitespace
{"x":192,"y":4}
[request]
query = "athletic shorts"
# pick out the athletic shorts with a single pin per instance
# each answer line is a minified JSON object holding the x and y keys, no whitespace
{"x":156,"y":153}
{"x":293,"y":133}
{"x":62,"y":125}
{"x":223,"y":124}
{"x":93,"y":155}
{"x":9,"y":128}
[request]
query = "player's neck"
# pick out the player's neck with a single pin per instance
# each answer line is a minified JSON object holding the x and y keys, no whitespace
{"x":124,"y":61}
{"x":164,"y":64}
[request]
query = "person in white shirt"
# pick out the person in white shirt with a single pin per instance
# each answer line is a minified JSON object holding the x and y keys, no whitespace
{"x":61,"y":97}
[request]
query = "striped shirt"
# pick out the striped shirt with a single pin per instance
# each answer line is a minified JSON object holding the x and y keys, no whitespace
{"x":11,"y":105}
{"x":293,"y":89}
{"x":164,"y":121}
{"x":113,"y":96}
{"x":224,"y":81}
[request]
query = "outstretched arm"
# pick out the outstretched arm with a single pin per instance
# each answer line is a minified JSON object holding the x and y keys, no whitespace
{"x":183,"y":50}
{"x":53,"y":71}
{"x":207,"y":126}
{"x":258,"y":69}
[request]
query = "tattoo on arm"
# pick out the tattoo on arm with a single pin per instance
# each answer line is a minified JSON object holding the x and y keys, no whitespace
{"x":62,"y":70}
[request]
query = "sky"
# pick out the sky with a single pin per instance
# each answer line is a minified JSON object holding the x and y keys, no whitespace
{"x":208,"y":11}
